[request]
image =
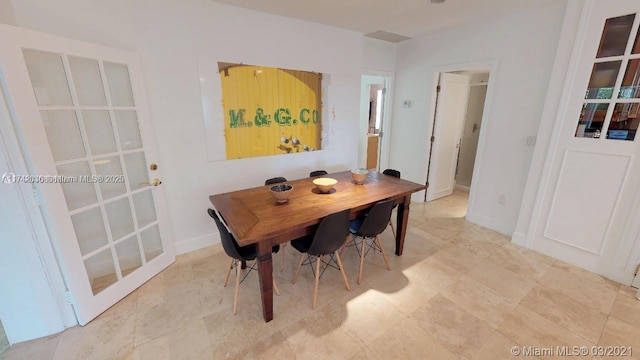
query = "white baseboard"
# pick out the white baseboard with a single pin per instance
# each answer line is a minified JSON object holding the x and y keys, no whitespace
{"x":519,"y":238}
{"x":491,"y":224}
{"x":462,"y":188}
{"x":190,"y":245}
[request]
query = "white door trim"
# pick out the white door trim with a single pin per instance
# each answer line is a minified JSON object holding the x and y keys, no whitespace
{"x":57,"y":312}
{"x":385,"y":143}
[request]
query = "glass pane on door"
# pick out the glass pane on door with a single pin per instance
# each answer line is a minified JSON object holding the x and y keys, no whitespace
{"x":101,"y":270}
{"x":110,"y":171}
{"x":603,"y":78}
{"x":63,"y":133}
{"x":636,"y":44}
{"x":630,"y":88}
{"x":119,"y":84}
{"x":151,"y":242}
{"x":145,"y":208}
{"x":97,"y":124}
{"x":591,"y":120}
{"x":615,"y":36}
{"x":90,"y":230}
{"x":87,"y":81}
{"x":129,"y":257}
{"x":48,"y":78}
{"x":624,"y":121}
{"x":128,"y":129}
{"x":78,"y":193}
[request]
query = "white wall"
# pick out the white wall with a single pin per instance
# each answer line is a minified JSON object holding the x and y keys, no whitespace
{"x":6,"y":12}
{"x":523,"y":47}
{"x":378,"y":56}
{"x":548,"y":118}
{"x":171,"y":36}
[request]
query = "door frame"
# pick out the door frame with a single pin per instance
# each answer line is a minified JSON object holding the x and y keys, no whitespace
{"x":47,"y":280}
{"x":385,"y":140}
{"x":492,"y":65}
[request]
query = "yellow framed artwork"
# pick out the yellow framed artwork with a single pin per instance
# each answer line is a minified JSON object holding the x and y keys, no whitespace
{"x":270,"y":111}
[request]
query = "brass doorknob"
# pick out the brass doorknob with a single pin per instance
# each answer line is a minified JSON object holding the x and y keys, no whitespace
{"x":155,"y":182}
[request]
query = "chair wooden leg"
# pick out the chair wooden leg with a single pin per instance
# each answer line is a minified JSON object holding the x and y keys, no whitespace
{"x":295,"y":277}
{"x":315,"y":289}
{"x":384,"y":254}
{"x":235,"y":298}
{"x":364,"y":243}
{"x":275,"y":287}
{"x":344,"y":276}
{"x":284,"y":247}
{"x":346,"y":242}
{"x":393,"y":230}
{"x":226,"y":280}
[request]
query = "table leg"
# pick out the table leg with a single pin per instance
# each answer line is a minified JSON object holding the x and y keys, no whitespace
{"x":401,"y":224}
{"x":265,"y":270}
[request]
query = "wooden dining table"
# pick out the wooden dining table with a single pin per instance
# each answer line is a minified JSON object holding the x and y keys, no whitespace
{"x":254,"y":217}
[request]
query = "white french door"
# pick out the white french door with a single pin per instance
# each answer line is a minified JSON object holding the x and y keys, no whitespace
{"x":449,"y":120}
{"x":592,"y":176}
{"x":82,"y":114}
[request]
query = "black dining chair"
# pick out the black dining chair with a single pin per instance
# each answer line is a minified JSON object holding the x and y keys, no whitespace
{"x":318,"y":173}
{"x":326,"y":241}
{"x":394,"y":173}
{"x":238,"y":254}
{"x":366,"y":230}
{"x":277,"y":180}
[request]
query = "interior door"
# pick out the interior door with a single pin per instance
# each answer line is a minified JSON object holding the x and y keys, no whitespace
{"x":449,"y":119}
{"x":592,"y":175}
{"x":82,"y":115}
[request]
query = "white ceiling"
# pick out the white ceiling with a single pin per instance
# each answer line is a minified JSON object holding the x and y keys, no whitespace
{"x":409,"y":18}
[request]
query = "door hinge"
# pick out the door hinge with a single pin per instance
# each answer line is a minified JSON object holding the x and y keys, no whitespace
{"x":433,"y":138}
{"x":384,"y":91}
{"x":380,"y":134}
{"x":637,"y":270}
{"x":427,"y":184}
{"x":438,"y":88}
{"x":68,"y":297}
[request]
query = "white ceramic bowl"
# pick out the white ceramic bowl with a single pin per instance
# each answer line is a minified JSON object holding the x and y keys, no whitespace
{"x":281,"y":192}
{"x":359,"y":175}
{"x":325,"y":184}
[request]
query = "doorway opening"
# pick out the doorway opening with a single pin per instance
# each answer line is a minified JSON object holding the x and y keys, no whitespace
{"x":458,"y":116}
{"x":373,"y":115}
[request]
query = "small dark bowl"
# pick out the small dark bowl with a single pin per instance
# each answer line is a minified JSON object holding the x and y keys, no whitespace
{"x":281,"y":192}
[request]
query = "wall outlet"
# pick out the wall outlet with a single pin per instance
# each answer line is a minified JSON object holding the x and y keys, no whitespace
{"x":406,"y":104}
{"x":502,"y":199}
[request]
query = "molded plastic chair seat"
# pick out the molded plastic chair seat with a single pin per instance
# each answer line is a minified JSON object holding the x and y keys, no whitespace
{"x":365,"y":232}
{"x":394,"y":173}
{"x":238,"y":255}
{"x":326,"y":240}
{"x":318,"y":173}
{"x":275,"y":180}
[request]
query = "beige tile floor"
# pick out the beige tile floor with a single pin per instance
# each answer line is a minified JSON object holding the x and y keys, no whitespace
{"x":460,"y":291}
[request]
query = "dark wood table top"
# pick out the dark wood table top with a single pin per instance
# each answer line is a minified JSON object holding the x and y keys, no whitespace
{"x":253,"y":214}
